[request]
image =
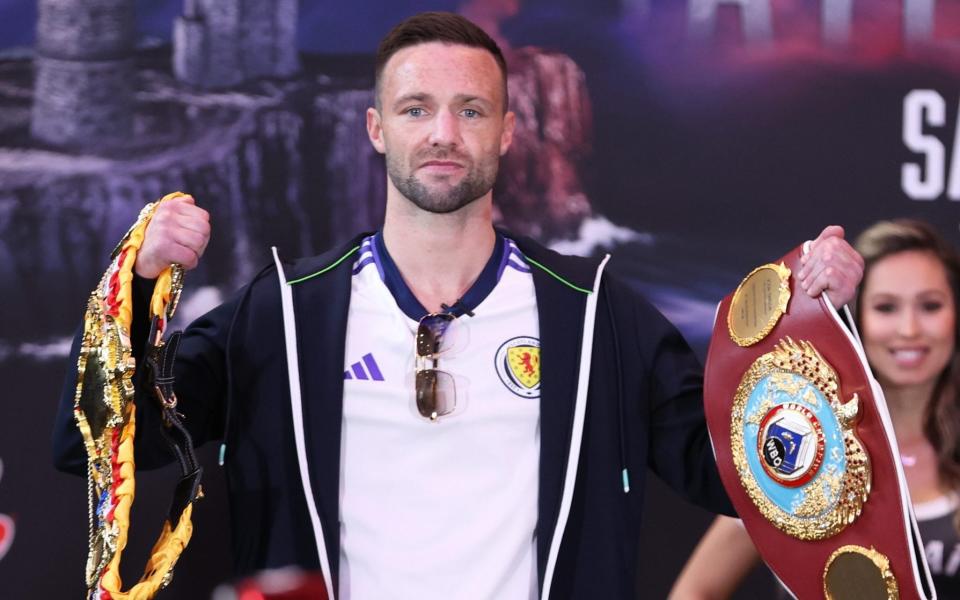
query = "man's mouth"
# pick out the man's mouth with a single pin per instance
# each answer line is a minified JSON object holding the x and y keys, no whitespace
{"x":441,"y":165}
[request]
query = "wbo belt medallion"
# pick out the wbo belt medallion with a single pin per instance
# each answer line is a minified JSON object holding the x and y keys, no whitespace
{"x":791,"y":444}
{"x":794,"y":445}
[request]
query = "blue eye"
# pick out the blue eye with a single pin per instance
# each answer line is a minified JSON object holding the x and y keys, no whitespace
{"x":416,"y":111}
{"x":471,"y":113}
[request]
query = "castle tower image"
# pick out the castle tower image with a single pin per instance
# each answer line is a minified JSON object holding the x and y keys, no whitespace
{"x":220,"y":43}
{"x":84,"y":72}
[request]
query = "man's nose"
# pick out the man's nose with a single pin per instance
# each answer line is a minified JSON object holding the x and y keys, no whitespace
{"x":446,"y":129}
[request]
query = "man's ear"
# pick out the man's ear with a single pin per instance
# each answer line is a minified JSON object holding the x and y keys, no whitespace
{"x":506,"y":136}
{"x":375,"y":130}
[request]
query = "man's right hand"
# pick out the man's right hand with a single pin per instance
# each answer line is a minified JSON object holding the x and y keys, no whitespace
{"x":177,"y":233}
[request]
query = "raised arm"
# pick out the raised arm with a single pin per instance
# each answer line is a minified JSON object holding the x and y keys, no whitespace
{"x":178,"y":232}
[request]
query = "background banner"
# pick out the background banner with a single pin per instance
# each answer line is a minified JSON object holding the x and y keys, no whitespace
{"x":693,"y":139}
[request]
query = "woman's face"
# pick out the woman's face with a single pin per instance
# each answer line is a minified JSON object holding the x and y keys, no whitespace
{"x":909,"y":319}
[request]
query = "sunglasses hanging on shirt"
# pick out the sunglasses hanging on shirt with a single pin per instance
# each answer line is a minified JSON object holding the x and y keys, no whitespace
{"x":435,"y":389}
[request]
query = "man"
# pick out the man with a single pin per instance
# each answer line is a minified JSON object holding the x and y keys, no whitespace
{"x":502,"y":453}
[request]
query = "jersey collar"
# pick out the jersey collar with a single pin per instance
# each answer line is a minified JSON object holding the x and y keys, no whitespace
{"x":409,"y":304}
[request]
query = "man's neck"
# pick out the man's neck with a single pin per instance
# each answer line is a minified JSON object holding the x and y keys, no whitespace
{"x":439,"y":255}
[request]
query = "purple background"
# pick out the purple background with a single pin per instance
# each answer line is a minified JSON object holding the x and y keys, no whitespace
{"x":705,"y":159}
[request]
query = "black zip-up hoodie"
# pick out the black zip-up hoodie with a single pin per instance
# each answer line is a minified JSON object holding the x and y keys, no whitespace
{"x":642,"y":408}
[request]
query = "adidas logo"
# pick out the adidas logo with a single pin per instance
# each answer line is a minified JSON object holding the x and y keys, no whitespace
{"x":366,"y":369}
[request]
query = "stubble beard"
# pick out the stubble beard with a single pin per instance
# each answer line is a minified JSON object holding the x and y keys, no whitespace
{"x":475,"y":184}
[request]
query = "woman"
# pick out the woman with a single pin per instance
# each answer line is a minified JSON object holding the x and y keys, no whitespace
{"x":907,"y":315}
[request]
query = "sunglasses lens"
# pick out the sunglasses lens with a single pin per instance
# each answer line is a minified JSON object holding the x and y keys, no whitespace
{"x":436,"y":393}
{"x":435,"y":334}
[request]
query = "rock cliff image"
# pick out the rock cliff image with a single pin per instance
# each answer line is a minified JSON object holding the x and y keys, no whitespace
{"x":273,"y":144}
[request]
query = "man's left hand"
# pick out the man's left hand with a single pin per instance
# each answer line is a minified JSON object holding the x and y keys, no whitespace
{"x":831,"y":265}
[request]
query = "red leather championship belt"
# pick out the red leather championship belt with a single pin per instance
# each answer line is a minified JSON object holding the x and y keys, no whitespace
{"x":805,"y":446}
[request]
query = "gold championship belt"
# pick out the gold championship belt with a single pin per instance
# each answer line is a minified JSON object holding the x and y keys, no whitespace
{"x":108,"y":380}
{"x":805,"y":446}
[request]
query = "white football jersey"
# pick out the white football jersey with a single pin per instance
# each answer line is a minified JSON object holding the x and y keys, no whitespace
{"x":443,"y":509}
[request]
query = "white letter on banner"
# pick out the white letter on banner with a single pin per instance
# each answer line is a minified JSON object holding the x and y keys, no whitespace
{"x":915,"y":104}
{"x":953,"y":190}
{"x":755,"y":14}
{"x":836,"y":17}
{"x":918,"y":20}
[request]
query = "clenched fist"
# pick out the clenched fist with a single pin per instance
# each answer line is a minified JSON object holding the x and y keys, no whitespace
{"x":177,"y":233}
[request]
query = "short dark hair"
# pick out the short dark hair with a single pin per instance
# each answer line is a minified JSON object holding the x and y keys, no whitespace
{"x":444,"y":27}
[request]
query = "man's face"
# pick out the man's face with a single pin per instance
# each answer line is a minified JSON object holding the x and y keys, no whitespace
{"x":441,"y":124}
